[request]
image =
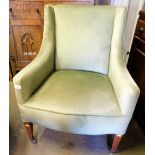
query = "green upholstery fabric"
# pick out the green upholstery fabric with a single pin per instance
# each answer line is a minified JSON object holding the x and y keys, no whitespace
{"x":77,"y":124}
{"x":82,"y":102}
{"x":83,"y":37}
{"x":76,"y":92}
{"x":126,"y":90}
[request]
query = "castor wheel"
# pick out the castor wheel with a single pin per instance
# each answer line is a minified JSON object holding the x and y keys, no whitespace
{"x":34,"y":141}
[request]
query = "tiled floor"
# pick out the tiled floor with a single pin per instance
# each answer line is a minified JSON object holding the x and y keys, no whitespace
{"x":51,"y":142}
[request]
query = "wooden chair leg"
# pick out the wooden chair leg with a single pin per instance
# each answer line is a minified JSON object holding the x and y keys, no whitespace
{"x":29,"y":129}
{"x":115,"y":144}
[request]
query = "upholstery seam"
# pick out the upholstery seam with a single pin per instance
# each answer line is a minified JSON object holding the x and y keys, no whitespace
{"x":72,"y":114}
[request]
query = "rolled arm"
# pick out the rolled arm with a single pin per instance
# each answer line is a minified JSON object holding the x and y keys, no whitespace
{"x":31,"y":77}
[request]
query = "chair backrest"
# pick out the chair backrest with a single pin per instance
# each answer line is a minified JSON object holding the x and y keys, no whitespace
{"x":83,"y":37}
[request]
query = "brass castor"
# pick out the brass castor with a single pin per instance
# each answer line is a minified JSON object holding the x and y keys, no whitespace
{"x":33,"y":140}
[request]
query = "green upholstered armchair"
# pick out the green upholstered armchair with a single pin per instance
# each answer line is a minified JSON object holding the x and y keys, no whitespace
{"x":79,"y":83}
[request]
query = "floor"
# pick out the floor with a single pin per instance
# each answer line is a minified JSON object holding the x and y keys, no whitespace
{"x":51,"y":142}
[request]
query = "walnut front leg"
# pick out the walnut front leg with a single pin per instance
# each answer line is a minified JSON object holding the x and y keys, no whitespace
{"x":29,"y":129}
{"x":113,"y":142}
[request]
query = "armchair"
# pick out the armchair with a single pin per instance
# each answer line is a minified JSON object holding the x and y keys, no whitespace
{"x":78,"y":83}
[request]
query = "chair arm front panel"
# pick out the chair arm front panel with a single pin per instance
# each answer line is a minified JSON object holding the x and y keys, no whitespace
{"x":31,"y":77}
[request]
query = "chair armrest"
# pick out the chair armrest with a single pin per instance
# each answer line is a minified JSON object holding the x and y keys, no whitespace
{"x":32,"y":76}
{"x":126,"y":90}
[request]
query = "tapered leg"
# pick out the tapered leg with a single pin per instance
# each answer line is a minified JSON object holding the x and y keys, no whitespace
{"x":29,"y":129}
{"x":113,"y":142}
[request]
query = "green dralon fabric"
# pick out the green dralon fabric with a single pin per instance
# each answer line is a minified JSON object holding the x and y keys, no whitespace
{"x":83,"y":37}
{"x":76,"y":92}
{"x":77,"y":124}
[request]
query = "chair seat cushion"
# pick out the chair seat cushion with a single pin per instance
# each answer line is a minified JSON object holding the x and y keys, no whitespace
{"x":76,"y":93}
